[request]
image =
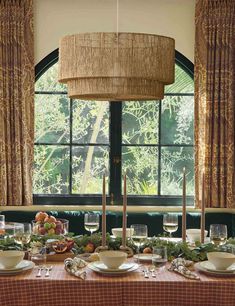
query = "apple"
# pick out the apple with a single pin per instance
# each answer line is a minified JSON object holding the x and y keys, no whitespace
{"x":89,"y":248}
{"x":41,"y":216}
{"x":47,"y":225}
{"x":50,"y":219}
{"x":53,"y":225}
{"x":51,"y":231}
{"x":42,"y":231}
{"x":147,"y":250}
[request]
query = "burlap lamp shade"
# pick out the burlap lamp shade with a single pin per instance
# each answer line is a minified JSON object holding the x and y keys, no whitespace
{"x":111,"y":66}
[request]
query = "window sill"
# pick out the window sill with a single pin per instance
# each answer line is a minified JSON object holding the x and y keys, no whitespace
{"x":112,"y":208}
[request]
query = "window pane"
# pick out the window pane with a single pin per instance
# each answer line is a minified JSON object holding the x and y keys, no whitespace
{"x":177,"y":120}
{"x":88,"y":165}
{"x":90,"y":121}
{"x":51,"y":118}
{"x":173,"y":162}
{"x":140,"y":164}
{"x":183,"y":82}
{"x":51,"y":169}
{"x":140,"y":122}
{"x":49,"y":81}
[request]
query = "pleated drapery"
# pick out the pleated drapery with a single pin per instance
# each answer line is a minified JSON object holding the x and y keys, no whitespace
{"x":16,"y":101}
{"x":215,"y":102}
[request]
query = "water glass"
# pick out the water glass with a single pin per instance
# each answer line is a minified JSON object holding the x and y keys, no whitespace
{"x":91,"y":222}
{"x":218,"y":234}
{"x":39,"y":257}
{"x":170,"y":223}
{"x":22,"y":234}
{"x":139,"y":235}
{"x":159,"y":257}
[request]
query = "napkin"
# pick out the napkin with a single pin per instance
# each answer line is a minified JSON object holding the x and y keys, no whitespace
{"x":180,"y":265}
{"x":76,"y":267}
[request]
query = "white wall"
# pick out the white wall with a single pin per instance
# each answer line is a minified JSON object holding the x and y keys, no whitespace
{"x":56,"y":18}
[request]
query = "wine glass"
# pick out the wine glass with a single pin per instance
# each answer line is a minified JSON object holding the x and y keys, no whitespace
{"x":170,"y":223}
{"x":159,"y":258}
{"x":139,"y":235}
{"x":218,"y":234}
{"x":22,"y":234}
{"x":91,"y":222}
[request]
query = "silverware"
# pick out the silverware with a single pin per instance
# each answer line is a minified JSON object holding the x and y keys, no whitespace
{"x":146,"y":273}
{"x":152,"y":270}
{"x":40,"y":269}
{"x":48,"y":270}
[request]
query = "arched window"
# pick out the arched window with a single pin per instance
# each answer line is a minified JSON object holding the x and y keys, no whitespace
{"x":76,"y":141}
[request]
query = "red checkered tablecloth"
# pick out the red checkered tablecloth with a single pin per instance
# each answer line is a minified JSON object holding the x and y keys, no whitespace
{"x":133,"y":289}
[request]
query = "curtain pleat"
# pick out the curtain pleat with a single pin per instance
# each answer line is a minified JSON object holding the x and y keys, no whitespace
{"x":16,"y":101}
{"x":215,"y":102}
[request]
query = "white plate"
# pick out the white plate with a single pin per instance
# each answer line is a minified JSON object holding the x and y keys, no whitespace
{"x":95,"y":269}
{"x":123,"y":267}
{"x":144,"y":257}
{"x":29,"y":265}
{"x":199,"y":266}
{"x":23,"y":264}
{"x":210,"y":267}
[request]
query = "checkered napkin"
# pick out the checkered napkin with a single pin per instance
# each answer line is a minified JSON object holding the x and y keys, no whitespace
{"x":180,"y":265}
{"x":76,"y":267}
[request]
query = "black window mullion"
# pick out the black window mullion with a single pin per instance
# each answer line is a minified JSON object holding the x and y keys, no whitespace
{"x":159,"y":147}
{"x":115,"y":151}
{"x":70,"y":145}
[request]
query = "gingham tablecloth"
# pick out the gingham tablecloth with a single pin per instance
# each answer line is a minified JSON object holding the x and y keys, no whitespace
{"x":131,"y":290}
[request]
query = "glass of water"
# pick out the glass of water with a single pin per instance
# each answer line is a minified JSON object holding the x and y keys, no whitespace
{"x":159,"y":258}
{"x":170,"y":223}
{"x":218,"y":234}
{"x":22,"y":235}
{"x":91,"y":222}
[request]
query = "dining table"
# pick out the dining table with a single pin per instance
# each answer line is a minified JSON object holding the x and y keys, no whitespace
{"x":132,"y":289}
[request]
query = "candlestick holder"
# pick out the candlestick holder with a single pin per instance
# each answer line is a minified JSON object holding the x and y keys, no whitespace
{"x":101,"y":248}
{"x":127,"y":250}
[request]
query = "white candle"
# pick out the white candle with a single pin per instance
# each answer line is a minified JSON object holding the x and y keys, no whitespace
{"x":203,"y":209}
{"x":124,"y":213}
{"x":104,"y":214}
{"x":184,"y":207}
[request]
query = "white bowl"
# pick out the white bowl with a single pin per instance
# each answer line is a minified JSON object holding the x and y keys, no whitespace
{"x":113,"y":259}
{"x":10,"y":259}
{"x":117,"y":232}
{"x":194,"y":234}
{"x":221,"y":260}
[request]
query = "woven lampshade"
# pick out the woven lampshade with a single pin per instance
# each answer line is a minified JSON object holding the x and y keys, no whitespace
{"x":111,"y":66}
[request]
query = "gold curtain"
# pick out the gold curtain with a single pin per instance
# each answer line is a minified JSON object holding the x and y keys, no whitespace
{"x":16,"y":101}
{"x":215,"y":102}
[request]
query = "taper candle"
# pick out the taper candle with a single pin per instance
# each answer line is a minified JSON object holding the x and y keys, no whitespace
{"x":104,"y":214}
{"x":124,"y":213}
{"x":203,"y":209}
{"x":184,"y":207}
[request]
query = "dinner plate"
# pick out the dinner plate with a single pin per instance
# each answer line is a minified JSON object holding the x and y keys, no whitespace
{"x":23,"y":264}
{"x":144,"y":257}
{"x":28,"y":266}
{"x":123,"y":267}
{"x":210,"y":267}
{"x":95,"y":269}
{"x":199,"y":266}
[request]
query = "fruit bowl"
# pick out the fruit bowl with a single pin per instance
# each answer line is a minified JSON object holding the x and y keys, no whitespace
{"x":49,"y":225}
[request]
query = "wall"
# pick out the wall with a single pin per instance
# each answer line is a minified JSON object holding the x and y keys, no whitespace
{"x":56,"y":18}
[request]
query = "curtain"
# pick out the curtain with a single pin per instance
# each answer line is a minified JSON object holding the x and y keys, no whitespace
{"x":215,"y":102}
{"x":16,"y":101}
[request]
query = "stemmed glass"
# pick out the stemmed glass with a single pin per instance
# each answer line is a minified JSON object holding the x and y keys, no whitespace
{"x":170,"y":223}
{"x":91,"y":222}
{"x":218,"y":234}
{"x":22,"y":234}
{"x":2,"y":225}
{"x":139,"y":235}
{"x":159,"y":258}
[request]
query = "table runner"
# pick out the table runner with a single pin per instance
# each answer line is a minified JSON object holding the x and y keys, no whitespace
{"x":63,"y":289}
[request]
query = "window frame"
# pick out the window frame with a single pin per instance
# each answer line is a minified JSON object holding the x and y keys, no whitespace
{"x":114,"y":198}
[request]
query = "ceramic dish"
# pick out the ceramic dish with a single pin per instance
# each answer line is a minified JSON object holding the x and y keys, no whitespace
{"x":123,"y":267}
{"x":144,"y":257}
{"x":95,"y":269}
{"x":210,"y":267}
{"x":29,"y":266}
{"x":199,"y":267}
{"x":23,"y":264}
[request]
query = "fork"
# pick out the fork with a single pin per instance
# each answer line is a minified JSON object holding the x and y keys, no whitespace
{"x":146,"y":273}
{"x":152,"y":270}
{"x":40,"y":268}
{"x":48,"y":270}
